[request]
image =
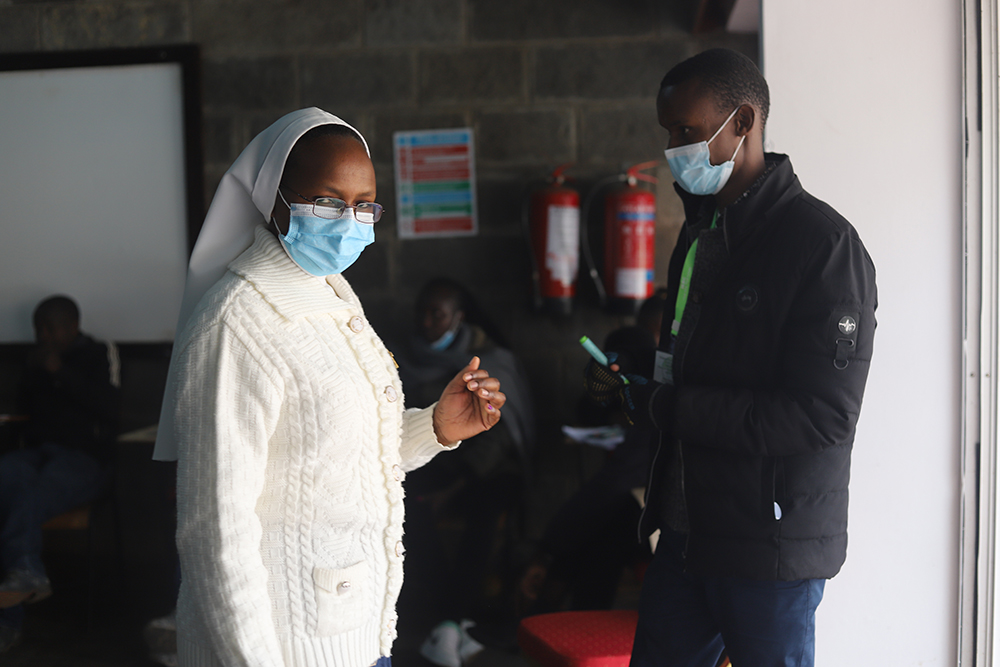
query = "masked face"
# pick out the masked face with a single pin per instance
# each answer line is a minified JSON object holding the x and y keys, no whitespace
{"x":703,"y":144}
{"x":335,"y":167}
{"x":323,"y":247}
{"x":693,"y":170}
{"x":438,"y":320}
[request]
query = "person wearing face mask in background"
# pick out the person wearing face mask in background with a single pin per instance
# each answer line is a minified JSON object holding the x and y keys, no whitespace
{"x":757,"y":387}
{"x":477,"y":483}
{"x":284,"y":411}
{"x":448,"y":324}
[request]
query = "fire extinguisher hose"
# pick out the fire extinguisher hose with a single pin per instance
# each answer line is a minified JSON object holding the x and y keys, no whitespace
{"x":588,"y":256}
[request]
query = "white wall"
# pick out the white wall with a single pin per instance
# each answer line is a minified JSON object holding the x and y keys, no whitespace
{"x":866,"y":99}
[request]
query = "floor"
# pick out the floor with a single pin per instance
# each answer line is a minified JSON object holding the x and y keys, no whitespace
{"x":57,"y":633}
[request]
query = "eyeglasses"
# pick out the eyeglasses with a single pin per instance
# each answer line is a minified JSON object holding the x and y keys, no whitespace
{"x":332,"y":208}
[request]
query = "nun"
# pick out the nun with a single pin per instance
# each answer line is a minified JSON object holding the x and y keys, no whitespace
{"x":285,"y":413}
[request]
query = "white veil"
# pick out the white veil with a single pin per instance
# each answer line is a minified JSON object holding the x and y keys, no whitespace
{"x":244,"y":199}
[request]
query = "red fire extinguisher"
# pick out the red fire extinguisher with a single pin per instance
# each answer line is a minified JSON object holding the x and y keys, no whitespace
{"x":555,"y":239}
{"x":629,"y":231}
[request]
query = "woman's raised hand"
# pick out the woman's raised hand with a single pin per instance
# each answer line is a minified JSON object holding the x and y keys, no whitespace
{"x":469,"y":405}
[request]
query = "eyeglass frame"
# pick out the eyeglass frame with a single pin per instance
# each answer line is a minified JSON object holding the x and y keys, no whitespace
{"x":380,"y":209}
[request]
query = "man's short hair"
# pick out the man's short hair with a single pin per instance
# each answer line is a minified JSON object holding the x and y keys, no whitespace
{"x":58,"y":310}
{"x":732,"y":77}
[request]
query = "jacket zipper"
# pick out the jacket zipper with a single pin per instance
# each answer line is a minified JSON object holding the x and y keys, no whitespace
{"x":725,"y":231}
{"x":649,"y":488}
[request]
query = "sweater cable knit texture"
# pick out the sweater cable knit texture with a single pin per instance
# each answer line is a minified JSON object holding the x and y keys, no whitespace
{"x":292,"y":445}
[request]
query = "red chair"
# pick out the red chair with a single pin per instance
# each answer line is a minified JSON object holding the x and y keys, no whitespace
{"x":580,"y":638}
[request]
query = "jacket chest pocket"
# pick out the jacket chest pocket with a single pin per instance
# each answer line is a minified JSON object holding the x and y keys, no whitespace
{"x":342,"y":598}
{"x":757,"y":309}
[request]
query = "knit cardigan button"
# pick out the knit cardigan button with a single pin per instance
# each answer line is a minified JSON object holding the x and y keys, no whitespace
{"x":399,"y":550}
{"x":390,"y":394}
{"x":357,"y":324}
{"x":397,"y":473}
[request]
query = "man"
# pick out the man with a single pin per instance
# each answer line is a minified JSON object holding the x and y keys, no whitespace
{"x":759,"y":378}
{"x":69,"y":391}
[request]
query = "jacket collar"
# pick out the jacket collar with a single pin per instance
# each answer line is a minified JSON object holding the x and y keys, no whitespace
{"x":775,"y":187}
{"x":292,"y":292}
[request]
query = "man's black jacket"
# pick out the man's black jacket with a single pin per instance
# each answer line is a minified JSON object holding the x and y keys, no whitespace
{"x":770,"y":365}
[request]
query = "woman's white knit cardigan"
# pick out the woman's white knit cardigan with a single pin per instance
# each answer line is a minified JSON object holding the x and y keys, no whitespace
{"x":293,"y":442}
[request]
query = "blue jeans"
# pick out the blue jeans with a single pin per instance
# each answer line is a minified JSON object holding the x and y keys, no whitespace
{"x":687,"y":620}
{"x":37,"y":484}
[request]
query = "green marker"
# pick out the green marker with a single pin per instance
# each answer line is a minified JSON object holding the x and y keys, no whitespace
{"x":596,"y":353}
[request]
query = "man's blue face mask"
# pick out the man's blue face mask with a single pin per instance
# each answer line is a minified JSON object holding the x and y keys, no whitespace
{"x":445,"y":340}
{"x":322,"y":247}
{"x":693,"y":170}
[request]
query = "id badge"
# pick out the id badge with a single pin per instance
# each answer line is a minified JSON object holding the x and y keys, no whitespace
{"x":663,"y":367}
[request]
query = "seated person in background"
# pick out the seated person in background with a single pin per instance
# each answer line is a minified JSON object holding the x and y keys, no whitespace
{"x":450,"y":328}
{"x":69,"y":392}
{"x":592,"y":537}
{"x":477,"y":482}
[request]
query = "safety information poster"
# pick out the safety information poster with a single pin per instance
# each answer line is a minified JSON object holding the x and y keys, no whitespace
{"x":435,"y":183}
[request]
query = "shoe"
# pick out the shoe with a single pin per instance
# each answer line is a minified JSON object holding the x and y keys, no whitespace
{"x":161,"y":636}
{"x":9,"y":637}
{"x":442,"y":646}
{"x":499,"y":635}
{"x":168,"y":622}
{"x":23,"y":586}
{"x":467,"y":646}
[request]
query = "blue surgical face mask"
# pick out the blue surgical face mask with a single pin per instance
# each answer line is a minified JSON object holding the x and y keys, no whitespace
{"x":445,"y":340}
{"x":322,"y":247}
{"x":448,"y":337}
{"x":694,"y":171}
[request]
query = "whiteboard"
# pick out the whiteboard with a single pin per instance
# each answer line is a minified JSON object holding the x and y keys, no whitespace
{"x":92,"y":185}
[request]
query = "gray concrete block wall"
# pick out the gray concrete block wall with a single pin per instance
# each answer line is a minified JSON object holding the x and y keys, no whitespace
{"x":19,"y":29}
{"x":403,"y":22}
{"x":520,"y":20}
{"x":541,"y":83}
{"x":107,"y":25}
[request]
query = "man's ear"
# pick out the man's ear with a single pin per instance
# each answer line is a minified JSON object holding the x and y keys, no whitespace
{"x":744,"y":120}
